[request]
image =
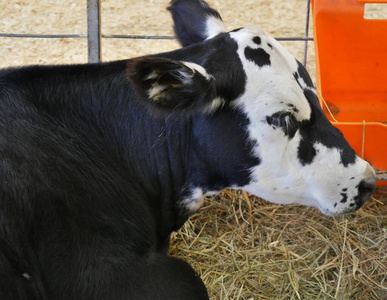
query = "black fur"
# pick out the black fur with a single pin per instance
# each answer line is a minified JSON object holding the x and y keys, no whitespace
{"x":91,"y":183}
{"x":318,"y":129}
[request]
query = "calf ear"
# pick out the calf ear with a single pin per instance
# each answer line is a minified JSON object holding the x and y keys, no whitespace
{"x":172,"y":85}
{"x":195,"y":21}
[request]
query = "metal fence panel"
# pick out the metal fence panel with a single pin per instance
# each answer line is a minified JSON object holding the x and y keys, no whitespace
{"x":94,"y":34}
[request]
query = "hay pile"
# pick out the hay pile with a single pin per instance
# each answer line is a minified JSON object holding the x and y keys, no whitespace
{"x":242,"y":247}
{"x":246,"y":248}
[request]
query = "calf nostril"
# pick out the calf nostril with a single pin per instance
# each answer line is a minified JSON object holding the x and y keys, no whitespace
{"x":366,"y":187}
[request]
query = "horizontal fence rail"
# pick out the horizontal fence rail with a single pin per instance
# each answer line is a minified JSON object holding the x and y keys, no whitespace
{"x":120,"y":36}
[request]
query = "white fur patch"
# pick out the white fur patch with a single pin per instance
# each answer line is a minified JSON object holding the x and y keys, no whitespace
{"x":197,"y":68}
{"x":155,"y":91}
{"x":214,"y":27}
{"x":152,"y":75}
{"x":196,"y":198}
{"x":194,"y":201}
{"x":214,"y":105}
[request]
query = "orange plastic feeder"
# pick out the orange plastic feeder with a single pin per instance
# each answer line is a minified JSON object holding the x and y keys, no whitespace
{"x":351,"y":56}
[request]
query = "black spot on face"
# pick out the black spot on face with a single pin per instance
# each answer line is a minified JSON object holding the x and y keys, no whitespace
{"x":352,"y":205}
{"x":306,"y":152}
{"x":295,"y":109}
{"x":344,"y":198}
{"x":271,"y":47}
{"x":259,"y":56}
{"x":335,"y":205}
{"x":257,"y":40}
{"x":344,"y":190}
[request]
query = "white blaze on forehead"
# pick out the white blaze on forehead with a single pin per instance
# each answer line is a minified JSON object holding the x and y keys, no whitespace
{"x":269,"y":89}
{"x":214,"y":27}
{"x":197,"y":68}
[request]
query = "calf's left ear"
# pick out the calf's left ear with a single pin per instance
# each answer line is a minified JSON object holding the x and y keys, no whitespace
{"x":172,"y":85}
{"x":195,"y":21}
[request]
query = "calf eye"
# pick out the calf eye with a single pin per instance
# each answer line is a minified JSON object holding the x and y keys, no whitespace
{"x":284,"y":120}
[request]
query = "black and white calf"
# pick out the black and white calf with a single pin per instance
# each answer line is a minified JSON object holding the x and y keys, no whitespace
{"x":100,"y":163}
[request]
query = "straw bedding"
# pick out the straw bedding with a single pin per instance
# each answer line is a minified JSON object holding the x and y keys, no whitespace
{"x":246,"y":248}
{"x":242,"y":246}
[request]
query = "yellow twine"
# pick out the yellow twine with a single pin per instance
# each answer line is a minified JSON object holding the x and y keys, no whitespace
{"x":326,"y":105}
{"x":363,"y":140}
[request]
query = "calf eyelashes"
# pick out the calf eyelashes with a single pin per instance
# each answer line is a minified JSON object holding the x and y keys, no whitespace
{"x":284,"y":120}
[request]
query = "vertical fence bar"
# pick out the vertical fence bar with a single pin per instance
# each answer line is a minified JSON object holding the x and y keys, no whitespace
{"x":93,"y":31}
{"x":306,"y":32}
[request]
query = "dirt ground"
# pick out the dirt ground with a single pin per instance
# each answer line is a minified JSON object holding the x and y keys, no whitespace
{"x":149,"y":17}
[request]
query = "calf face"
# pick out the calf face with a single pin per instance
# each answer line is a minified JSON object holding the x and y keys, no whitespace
{"x":299,"y":156}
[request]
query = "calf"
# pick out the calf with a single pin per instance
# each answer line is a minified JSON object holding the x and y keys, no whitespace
{"x":100,"y":163}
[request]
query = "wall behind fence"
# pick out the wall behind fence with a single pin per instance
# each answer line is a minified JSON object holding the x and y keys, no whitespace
{"x":284,"y":19}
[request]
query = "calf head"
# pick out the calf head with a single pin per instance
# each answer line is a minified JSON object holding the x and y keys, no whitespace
{"x":287,"y":151}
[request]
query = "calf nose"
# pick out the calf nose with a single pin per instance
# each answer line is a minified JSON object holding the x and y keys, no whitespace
{"x":366,"y":188}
